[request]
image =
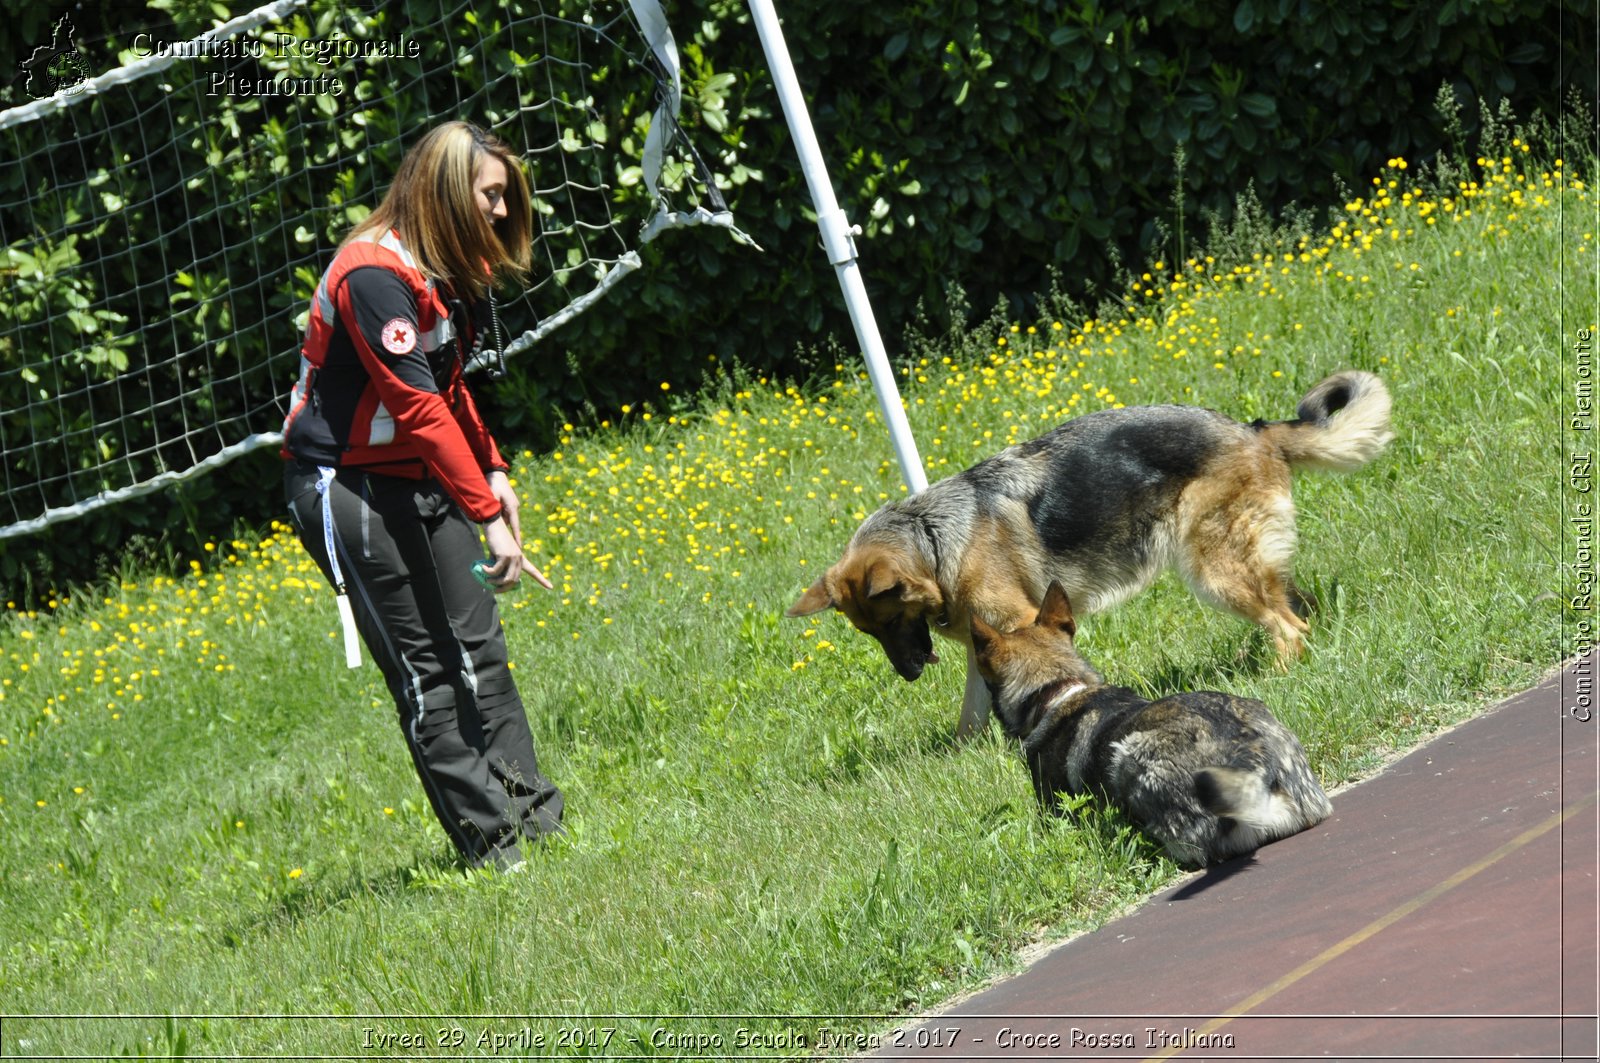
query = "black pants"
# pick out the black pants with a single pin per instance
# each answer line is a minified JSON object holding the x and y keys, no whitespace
{"x":405,"y":551}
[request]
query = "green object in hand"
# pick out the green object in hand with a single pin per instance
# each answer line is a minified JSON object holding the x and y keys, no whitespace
{"x":480,"y":572}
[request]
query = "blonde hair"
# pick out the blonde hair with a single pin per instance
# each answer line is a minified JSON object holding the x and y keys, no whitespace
{"x":431,"y":203}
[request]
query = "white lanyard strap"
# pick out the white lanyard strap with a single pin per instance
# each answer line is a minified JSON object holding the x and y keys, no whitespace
{"x":347,"y":617}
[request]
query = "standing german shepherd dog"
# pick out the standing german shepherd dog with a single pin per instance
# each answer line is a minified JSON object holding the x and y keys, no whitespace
{"x":1102,"y":504}
{"x":1209,"y":776}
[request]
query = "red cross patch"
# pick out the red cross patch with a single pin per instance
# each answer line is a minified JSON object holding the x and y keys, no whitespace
{"x":399,"y":336}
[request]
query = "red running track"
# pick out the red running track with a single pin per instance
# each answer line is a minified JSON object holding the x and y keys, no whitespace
{"x":1445,"y":911}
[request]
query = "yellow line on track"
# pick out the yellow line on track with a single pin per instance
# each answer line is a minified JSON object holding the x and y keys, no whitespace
{"x":1383,"y":922}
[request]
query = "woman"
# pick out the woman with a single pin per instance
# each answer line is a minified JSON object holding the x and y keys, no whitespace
{"x":391,"y":472}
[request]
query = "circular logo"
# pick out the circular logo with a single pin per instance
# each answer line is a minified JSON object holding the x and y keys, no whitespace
{"x":399,"y":336}
{"x":68,"y":72}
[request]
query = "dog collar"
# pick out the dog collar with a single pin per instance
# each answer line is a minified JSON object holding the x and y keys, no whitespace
{"x":932,"y":538}
{"x":1062,"y":690}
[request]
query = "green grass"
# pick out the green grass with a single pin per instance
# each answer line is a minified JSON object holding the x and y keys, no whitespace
{"x":203,"y":814}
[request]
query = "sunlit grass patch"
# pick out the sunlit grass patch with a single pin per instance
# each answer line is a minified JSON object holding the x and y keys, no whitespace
{"x":202,"y":811}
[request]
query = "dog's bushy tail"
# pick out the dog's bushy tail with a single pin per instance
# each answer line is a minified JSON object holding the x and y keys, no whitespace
{"x":1341,"y":424}
{"x":1244,"y":796}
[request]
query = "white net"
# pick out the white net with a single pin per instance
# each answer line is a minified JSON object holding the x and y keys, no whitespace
{"x":164,"y":222}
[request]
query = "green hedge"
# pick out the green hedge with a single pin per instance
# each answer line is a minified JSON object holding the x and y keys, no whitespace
{"x":986,"y":143}
{"x":979,"y":144}
{"x":998,"y":145}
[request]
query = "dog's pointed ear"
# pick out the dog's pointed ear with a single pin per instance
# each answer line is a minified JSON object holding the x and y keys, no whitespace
{"x":1057,"y":610}
{"x":814,"y":600}
{"x":883,"y":580}
{"x":889,"y":579}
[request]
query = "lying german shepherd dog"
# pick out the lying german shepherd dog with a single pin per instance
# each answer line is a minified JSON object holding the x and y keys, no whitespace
{"x":1209,"y":776}
{"x":1102,"y":504}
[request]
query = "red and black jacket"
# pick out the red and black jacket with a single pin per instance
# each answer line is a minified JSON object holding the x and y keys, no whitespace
{"x":381,"y":383}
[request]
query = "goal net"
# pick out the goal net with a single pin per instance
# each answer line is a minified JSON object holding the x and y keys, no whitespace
{"x":165,"y":213}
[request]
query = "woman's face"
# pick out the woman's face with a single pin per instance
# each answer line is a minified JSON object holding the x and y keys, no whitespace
{"x":489,"y":188}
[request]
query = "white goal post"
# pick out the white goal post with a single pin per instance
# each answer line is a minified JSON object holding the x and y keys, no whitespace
{"x":838,"y":241}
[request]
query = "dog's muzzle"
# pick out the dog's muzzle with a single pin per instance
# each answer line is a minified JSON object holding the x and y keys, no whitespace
{"x":909,"y":647}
